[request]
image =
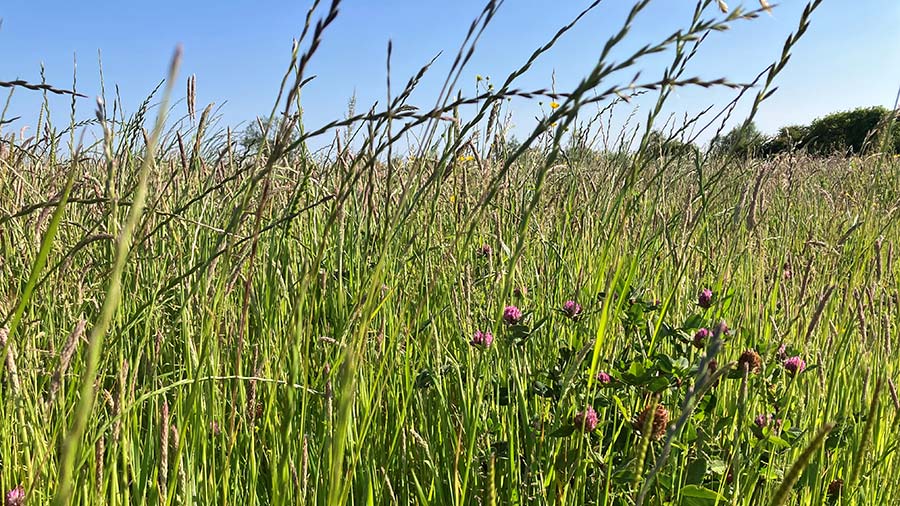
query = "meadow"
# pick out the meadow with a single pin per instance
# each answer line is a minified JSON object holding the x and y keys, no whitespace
{"x":192,"y":316}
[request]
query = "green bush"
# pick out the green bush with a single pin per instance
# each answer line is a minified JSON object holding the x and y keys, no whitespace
{"x":661,"y":145}
{"x":850,"y":132}
{"x":787,"y":139}
{"x":742,"y":141}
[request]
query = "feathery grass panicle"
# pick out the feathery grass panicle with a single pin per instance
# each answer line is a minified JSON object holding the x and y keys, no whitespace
{"x":790,"y":478}
{"x":72,"y":443}
{"x":862,"y":446}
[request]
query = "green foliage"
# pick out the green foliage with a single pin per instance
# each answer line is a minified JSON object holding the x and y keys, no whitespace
{"x":660,"y":145}
{"x":742,"y":141}
{"x":788,"y":138}
{"x":295,"y":329}
{"x":850,"y":132}
{"x":251,"y":138}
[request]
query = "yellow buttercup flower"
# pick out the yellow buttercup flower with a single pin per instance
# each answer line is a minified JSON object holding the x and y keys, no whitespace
{"x":554,"y":105}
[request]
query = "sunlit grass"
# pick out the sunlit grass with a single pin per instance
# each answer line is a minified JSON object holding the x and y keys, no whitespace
{"x":576,"y":318}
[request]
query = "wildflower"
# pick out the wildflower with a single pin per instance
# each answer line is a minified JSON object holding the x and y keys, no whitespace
{"x":788,"y":273}
{"x":485,"y":250}
{"x":571,"y":309}
{"x":751,"y":360}
{"x":782,"y":352}
{"x":554,"y":105}
{"x":835,"y":488}
{"x":483,"y":339}
{"x":512,"y":315}
{"x":763,"y":421}
{"x":214,"y":428}
{"x":660,"y":421}
{"x":553,"y":124}
{"x":603,"y":378}
{"x":16,"y":496}
{"x":586,"y":420}
{"x":478,"y":77}
{"x":794,"y":365}
{"x":704,"y":300}
{"x":700,"y":337}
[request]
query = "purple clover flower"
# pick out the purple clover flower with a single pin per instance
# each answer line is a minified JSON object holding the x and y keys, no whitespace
{"x":16,"y":496}
{"x":512,"y":315}
{"x":700,"y":337}
{"x":571,"y":309}
{"x":586,"y":420}
{"x":794,"y":365}
{"x":763,"y":421}
{"x":704,"y":300}
{"x":483,"y":339}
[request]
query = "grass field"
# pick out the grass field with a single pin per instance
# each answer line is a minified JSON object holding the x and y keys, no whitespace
{"x":579,"y":318}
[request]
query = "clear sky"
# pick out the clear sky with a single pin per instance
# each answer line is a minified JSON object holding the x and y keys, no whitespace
{"x":239,"y":51}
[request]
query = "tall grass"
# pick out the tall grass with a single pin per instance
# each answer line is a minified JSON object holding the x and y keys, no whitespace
{"x":271,"y":325}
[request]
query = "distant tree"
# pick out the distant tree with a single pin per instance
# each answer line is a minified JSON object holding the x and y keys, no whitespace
{"x":661,"y":145}
{"x":851,"y":132}
{"x":252,"y":137}
{"x":789,"y":138}
{"x":504,"y":146}
{"x":742,"y":141}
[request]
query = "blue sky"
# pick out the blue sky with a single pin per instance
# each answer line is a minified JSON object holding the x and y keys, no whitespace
{"x":239,"y":51}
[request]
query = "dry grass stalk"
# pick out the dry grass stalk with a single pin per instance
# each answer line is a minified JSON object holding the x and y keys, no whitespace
{"x":99,"y":452}
{"x":164,"y":453}
{"x":304,"y":465}
{"x":11,"y":369}
{"x":784,"y":491}
{"x":818,"y":314}
{"x":894,"y":397}
{"x":878,"y":267}
{"x":65,"y":358}
{"x":860,"y":316}
{"x":192,"y":96}
{"x":120,"y":400}
{"x":38,"y":87}
{"x":886,"y":327}
{"x":807,"y":270}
